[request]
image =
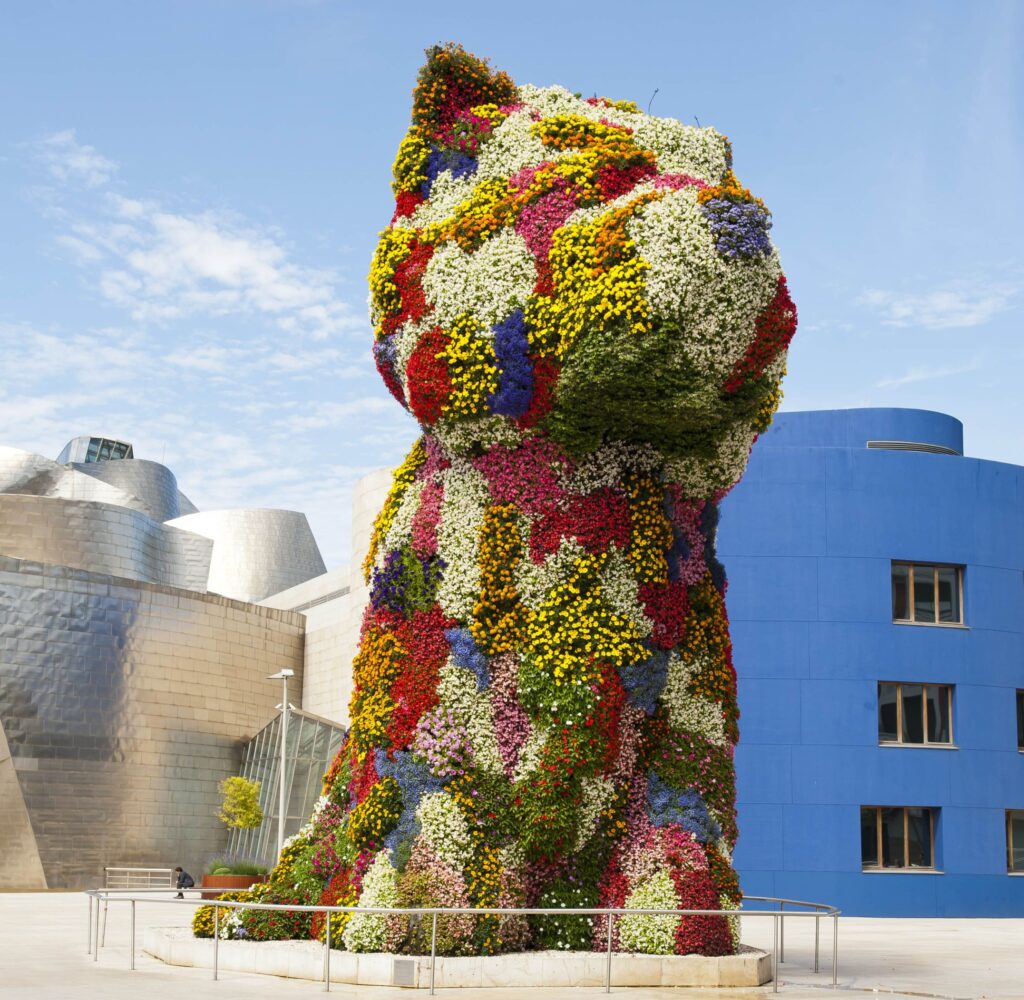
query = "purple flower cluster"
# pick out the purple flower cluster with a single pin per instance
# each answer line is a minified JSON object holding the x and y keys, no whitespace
{"x":645,"y":681}
{"x":442,"y":740}
{"x":740,"y":228}
{"x":466,"y":654}
{"x":456,"y":163}
{"x":415,"y":781}
{"x":388,"y":583}
{"x":515,"y":370}
{"x":683,"y":807}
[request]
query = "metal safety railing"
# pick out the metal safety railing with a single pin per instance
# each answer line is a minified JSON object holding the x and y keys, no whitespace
{"x":798,"y":909}
{"x":138,"y":878}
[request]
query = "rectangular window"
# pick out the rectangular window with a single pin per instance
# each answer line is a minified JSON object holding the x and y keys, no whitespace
{"x":1015,"y":840}
{"x":915,"y":714}
{"x":1020,"y":720}
{"x":895,"y":837}
{"x":926,"y":594}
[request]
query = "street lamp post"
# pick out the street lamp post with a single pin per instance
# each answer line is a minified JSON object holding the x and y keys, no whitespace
{"x":282,"y":675}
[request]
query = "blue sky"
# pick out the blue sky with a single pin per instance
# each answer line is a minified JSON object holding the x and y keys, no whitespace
{"x":190,"y":192}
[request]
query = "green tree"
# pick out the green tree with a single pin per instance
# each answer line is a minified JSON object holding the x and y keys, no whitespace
{"x":240,"y":803}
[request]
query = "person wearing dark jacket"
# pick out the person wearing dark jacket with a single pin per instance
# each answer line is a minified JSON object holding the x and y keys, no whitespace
{"x":185,"y":881}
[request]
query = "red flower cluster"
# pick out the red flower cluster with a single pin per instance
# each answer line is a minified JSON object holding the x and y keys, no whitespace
{"x":427,"y":375}
{"x":773,"y":330}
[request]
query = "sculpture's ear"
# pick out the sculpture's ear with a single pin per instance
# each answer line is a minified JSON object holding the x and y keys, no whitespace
{"x":452,"y":81}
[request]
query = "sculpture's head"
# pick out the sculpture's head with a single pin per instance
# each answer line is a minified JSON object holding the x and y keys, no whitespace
{"x":575,"y":266}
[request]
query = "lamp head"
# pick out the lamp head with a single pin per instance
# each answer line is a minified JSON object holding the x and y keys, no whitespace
{"x":282,"y":675}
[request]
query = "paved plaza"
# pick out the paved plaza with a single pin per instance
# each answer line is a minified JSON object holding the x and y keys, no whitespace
{"x":43,"y":956}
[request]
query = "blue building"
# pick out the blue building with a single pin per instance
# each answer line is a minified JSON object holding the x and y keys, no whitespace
{"x":876,"y":596}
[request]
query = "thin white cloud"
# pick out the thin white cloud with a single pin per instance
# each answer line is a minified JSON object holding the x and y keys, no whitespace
{"x":947,"y":308}
{"x":163,"y":266}
{"x":69,"y":161}
{"x":926,"y":375}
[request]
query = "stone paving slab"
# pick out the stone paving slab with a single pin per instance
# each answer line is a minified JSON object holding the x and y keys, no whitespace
{"x":43,"y":957}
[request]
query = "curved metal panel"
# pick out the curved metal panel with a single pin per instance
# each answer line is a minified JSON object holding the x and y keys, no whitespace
{"x":152,"y":484}
{"x":102,"y":538}
{"x":256,"y":552}
{"x":124,"y":705}
{"x":33,"y":475}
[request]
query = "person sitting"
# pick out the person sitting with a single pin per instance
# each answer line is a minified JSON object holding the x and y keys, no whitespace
{"x":185,"y":881}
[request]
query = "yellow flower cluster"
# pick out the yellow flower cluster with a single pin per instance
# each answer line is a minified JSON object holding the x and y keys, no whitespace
{"x":577,"y":132}
{"x":392,"y":249}
{"x":491,"y":112}
{"x":472,"y":368}
{"x":731,"y":189}
{"x":203,"y":919}
{"x":574,"y":630}
{"x":410,"y":167}
{"x":650,"y":533}
{"x":380,"y":659}
{"x":763,"y":420}
{"x":499,"y":615}
{"x":598,"y":280}
{"x":404,"y":477}
{"x":490,"y":207}
{"x":376,"y":815}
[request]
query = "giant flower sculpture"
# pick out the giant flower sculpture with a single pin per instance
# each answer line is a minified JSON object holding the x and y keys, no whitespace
{"x":581,"y":306}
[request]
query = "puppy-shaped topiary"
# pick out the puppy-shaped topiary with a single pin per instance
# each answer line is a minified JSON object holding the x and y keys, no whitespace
{"x":581,"y":305}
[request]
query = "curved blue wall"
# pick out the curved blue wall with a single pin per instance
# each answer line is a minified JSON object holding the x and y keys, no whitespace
{"x":807,"y":538}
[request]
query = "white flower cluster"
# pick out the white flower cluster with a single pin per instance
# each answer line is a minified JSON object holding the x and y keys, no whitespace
{"x":699,"y":716}
{"x":401,"y":525}
{"x":366,"y":931}
{"x":445,"y":829}
{"x":620,"y":591}
{"x":510,"y":147}
{"x":534,"y":580}
{"x":462,"y":512}
{"x":714,"y":299}
{"x":458,"y":692}
{"x":597,"y":793}
{"x":651,"y":933}
{"x":609,"y":465}
{"x":488,"y":284}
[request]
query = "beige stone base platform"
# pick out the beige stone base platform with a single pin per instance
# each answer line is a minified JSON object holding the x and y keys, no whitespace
{"x":305,"y":960}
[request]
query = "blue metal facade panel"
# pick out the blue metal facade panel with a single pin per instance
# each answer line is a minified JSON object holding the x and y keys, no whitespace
{"x":807,"y":539}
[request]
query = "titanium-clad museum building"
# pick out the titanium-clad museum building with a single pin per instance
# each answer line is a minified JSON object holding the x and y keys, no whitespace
{"x":133,"y":660}
{"x":876,"y":595}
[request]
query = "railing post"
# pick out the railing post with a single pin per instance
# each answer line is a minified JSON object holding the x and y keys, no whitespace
{"x":433,"y":950}
{"x":88,"y":940}
{"x":96,"y":933}
{"x":775,"y":953}
{"x":817,"y":934}
{"x":132,"y":963}
{"x":835,"y":949}
{"x":327,"y":954}
{"x":782,"y":931}
{"x":608,"y":965}
{"x":216,"y":937}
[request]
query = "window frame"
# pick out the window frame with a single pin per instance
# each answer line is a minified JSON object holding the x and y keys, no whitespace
{"x":949,"y":744}
{"x":1010,"y":870}
{"x":935,"y":567}
{"x":905,"y":867}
